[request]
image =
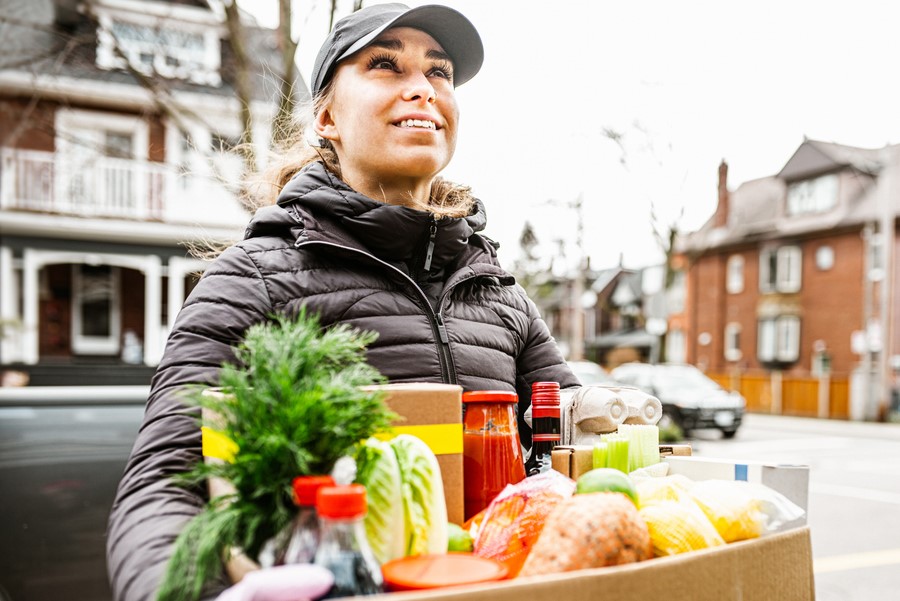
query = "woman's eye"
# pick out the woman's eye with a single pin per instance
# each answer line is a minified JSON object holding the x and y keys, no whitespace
{"x":442,"y":71}
{"x":383,"y":62}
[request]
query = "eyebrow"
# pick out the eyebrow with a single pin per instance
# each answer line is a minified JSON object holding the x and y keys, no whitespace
{"x":395,"y":44}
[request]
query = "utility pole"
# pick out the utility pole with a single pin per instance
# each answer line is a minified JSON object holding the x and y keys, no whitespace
{"x":887,"y":226}
{"x":577,"y":344}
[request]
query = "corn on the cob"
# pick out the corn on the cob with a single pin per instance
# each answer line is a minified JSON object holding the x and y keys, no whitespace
{"x":677,"y":527}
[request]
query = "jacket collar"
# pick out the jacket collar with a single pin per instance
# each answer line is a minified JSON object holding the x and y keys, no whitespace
{"x":326,"y":209}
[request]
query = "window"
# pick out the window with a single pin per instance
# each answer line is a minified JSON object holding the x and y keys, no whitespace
{"x":779,"y":269}
{"x":675,"y":350}
{"x":812,"y":196}
{"x":733,"y":342}
{"x":95,"y":309}
{"x":175,"y":50}
{"x":734,"y":279}
{"x":824,"y":258}
{"x":779,"y":339}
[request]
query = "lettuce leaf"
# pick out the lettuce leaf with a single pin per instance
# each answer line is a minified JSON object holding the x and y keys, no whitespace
{"x":424,"y":508}
{"x":378,"y":470}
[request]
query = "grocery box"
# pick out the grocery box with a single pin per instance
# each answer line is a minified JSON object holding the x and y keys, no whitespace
{"x":775,"y":567}
{"x":573,"y":460}
{"x":789,"y":479}
{"x":433,"y":412}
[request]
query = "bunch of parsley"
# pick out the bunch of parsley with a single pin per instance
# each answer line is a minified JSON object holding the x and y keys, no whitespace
{"x":294,"y":404}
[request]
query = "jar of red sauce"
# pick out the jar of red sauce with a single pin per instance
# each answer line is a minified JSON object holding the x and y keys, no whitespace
{"x":492,"y":453}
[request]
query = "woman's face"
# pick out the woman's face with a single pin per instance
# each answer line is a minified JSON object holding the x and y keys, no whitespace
{"x":392,"y":116}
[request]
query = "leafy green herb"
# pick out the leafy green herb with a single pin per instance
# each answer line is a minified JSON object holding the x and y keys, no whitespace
{"x":294,"y":406}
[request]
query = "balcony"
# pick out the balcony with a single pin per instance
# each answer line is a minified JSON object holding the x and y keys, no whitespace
{"x":93,"y":186}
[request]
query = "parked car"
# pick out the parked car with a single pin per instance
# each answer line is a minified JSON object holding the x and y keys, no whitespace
{"x":690,"y":399}
{"x":589,"y":373}
{"x":62,"y":452}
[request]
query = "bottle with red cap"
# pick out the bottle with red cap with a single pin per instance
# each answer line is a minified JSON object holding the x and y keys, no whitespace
{"x":343,"y":547}
{"x":305,"y":532}
{"x":544,"y":426}
{"x":297,"y":543}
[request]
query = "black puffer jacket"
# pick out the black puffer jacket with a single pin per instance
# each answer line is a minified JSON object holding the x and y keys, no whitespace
{"x":455,"y":318}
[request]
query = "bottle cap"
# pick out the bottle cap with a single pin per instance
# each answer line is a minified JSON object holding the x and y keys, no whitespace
{"x":434,"y":571}
{"x":305,"y":488}
{"x":490,"y":396}
{"x":348,"y":501}
{"x":545,"y":399}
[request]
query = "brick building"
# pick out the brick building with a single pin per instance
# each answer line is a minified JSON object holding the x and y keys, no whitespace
{"x":795,"y":274}
{"x":113,"y":115}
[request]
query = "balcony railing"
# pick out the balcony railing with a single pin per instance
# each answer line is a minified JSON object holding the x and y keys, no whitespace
{"x":87,"y":186}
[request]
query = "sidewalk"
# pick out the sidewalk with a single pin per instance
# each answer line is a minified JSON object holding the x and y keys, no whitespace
{"x":890,"y":431}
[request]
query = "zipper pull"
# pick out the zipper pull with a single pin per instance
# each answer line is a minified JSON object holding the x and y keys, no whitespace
{"x":441,"y":329}
{"x":430,"y":252}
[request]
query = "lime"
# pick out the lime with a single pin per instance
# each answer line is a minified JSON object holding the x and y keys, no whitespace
{"x":458,"y":539}
{"x":606,"y":479}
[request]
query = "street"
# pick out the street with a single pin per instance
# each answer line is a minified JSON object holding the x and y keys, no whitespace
{"x":854,"y":496}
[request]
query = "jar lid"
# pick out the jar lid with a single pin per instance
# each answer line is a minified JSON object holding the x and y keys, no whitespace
{"x":348,"y":501}
{"x":545,"y":394}
{"x":490,"y":396}
{"x":306,"y":487}
{"x":435,"y":571}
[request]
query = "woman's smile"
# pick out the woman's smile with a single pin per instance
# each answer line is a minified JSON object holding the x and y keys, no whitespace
{"x":404,"y":80}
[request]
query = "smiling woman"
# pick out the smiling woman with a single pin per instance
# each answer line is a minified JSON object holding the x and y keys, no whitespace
{"x":356,"y":226}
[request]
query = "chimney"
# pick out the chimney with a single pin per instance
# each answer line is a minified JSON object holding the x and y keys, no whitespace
{"x":721,"y":216}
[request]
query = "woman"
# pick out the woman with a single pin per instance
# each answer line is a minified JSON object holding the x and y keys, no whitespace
{"x":363,"y":232}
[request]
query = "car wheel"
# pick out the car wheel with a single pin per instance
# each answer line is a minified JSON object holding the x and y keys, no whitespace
{"x":729,"y":434}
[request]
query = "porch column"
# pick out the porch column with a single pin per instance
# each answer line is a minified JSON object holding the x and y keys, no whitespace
{"x":178,"y":268}
{"x":30,"y":267}
{"x":10,"y":340}
{"x":152,"y":310}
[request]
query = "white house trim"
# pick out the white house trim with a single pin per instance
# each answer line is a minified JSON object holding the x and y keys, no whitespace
{"x":10,"y":342}
{"x":178,"y":268}
{"x":150,"y":265}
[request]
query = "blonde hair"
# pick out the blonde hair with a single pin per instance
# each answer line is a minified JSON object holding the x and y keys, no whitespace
{"x":447,"y":199}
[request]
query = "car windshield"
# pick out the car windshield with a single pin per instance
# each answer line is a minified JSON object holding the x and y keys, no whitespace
{"x":590,"y":373}
{"x":676,"y":377}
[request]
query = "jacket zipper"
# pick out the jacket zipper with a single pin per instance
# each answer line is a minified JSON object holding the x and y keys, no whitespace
{"x":441,"y":337}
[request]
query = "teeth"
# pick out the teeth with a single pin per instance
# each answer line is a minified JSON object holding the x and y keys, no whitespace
{"x":418,"y":123}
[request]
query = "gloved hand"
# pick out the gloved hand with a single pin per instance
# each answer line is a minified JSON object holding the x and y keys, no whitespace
{"x":281,"y":583}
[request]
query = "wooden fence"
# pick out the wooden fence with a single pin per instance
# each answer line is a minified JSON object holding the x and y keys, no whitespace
{"x":790,"y":395}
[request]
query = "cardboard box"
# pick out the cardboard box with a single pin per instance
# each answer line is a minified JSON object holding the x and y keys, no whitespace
{"x":572,"y":460}
{"x":433,"y":412}
{"x":775,"y":567}
{"x":790,"y":480}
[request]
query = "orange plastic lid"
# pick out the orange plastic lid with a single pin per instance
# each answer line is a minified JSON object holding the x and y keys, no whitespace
{"x":435,"y":571}
{"x":490,"y":396}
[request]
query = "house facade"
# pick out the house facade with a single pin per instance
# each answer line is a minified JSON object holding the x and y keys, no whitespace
{"x":794,"y":276}
{"x":113,"y":119}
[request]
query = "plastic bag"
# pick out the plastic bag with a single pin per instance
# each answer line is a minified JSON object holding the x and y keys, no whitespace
{"x":741,"y":510}
{"x":678,"y":527}
{"x":666,"y":488}
{"x":513,"y":521}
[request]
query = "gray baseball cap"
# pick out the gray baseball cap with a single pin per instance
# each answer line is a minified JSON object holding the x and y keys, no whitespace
{"x":455,"y":33}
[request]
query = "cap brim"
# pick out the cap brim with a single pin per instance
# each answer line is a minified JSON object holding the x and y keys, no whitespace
{"x":450,"y":28}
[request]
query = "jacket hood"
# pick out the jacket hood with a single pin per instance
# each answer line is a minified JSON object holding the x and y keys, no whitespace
{"x":317,"y":206}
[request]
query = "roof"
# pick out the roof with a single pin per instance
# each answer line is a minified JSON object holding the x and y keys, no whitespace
{"x":46,"y":37}
{"x":756,"y":208}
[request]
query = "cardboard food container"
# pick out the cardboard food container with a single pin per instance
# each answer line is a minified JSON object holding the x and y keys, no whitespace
{"x":575,"y":459}
{"x":775,"y":567}
{"x":433,"y":412}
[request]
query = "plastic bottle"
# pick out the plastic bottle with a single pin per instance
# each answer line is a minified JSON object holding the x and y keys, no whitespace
{"x":297,"y":543}
{"x":545,"y":426}
{"x":343,"y":547}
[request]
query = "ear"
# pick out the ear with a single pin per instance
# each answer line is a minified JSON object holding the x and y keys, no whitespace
{"x":325,"y":126}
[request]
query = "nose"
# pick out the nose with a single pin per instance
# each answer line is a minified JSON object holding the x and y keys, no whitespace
{"x":419,"y":88}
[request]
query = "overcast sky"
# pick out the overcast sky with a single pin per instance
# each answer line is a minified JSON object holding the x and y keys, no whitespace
{"x":685,"y":84}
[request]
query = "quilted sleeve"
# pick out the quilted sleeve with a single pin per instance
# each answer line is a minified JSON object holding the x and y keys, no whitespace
{"x":539,"y":361}
{"x":150,"y":510}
